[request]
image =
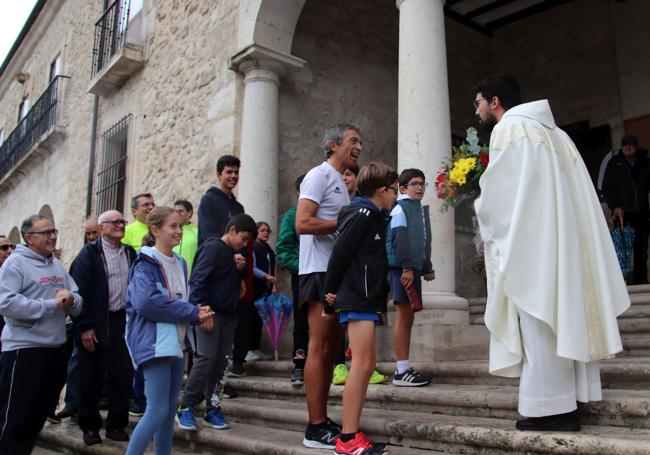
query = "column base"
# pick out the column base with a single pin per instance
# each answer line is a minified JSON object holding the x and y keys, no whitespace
{"x":437,"y":343}
{"x":440,"y":308}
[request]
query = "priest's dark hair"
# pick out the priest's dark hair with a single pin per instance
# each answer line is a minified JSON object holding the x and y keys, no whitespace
{"x":503,"y":86}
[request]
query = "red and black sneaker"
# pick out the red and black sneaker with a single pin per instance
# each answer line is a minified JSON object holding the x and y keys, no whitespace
{"x":360,"y":445}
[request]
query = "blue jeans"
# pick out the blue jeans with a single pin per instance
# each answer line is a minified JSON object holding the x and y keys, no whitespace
{"x":72,"y":387}
{"x":163,"y":378}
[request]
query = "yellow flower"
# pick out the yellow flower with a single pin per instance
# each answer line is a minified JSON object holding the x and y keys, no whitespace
{"x":458,"y":176}
{"x":461,"y":168}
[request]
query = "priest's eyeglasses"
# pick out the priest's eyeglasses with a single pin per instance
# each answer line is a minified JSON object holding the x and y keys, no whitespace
{"x":477,"y":102}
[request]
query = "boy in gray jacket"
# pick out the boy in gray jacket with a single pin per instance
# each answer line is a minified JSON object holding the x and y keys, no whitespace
{"x":36,"y":295}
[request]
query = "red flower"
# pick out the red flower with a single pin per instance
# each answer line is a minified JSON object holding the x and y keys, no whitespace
{"x":485,"y":159}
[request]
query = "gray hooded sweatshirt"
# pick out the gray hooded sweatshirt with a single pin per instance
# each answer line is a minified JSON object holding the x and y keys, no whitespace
{"x":28,"y":284}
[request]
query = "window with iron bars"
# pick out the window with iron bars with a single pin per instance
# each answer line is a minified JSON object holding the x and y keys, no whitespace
{"x":111,"y":178}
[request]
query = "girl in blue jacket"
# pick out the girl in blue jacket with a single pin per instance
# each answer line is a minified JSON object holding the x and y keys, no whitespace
{"x":157,"y":317}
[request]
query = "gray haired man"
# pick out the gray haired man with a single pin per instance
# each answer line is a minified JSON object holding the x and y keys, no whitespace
{"x":36,"y":295}
{"x":322,"y":195}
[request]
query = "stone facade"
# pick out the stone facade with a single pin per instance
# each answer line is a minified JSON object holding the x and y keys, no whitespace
{"x":186,"y":103}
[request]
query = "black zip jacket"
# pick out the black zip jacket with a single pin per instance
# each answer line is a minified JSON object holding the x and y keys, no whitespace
{"x":215,"y":279}
{"x":89,"y":272}
{"x":357,"y":269}
{"x":215,"y":210}
{"x":626,"y":185}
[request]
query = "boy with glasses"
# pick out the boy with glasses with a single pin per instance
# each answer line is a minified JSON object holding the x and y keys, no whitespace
{"x":408,"y":244}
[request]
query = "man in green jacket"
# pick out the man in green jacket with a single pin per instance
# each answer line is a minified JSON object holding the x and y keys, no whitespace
{"x":287,"y":251}
{"x":141,"y":205}
{"x":189,"y":241}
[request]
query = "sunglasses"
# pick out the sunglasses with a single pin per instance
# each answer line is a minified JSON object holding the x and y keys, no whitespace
{"x":7,"y":247}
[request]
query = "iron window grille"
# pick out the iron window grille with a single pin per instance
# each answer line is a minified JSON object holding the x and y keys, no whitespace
{"x":111,"y":178}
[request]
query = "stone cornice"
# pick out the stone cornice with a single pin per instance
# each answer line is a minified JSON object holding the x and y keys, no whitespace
{"x":259,"y":57}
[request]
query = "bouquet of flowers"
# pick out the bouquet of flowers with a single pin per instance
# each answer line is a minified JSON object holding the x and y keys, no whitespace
{"x":457,"y":181}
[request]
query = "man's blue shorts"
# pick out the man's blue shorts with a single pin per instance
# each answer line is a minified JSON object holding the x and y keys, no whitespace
{"x":398,"y":293}
{"x":345,"y":316}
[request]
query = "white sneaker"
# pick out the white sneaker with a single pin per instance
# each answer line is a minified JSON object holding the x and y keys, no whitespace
{"x":256,"y":355}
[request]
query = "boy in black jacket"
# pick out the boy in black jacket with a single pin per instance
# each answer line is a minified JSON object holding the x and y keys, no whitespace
{"x":356,"y":288}
{"x":215,"y":282}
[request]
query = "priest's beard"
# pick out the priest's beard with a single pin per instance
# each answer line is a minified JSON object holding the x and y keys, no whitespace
{"x":487,"y":124}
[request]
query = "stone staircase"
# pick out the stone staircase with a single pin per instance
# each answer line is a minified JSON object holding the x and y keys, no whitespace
{"x":634,"y":324}
{"x":464,"y":411}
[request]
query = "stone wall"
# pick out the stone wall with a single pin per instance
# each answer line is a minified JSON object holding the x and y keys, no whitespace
{"x":632,"y":35}
{"x":567,"y":55}
{"x":350,"y":76}
{"x":183,"y":100}
{"x":57,"y":178}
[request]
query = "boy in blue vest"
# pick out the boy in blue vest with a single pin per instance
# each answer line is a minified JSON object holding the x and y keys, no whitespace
{"x":408,"y":244}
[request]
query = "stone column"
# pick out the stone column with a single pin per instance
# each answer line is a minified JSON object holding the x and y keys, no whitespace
{"x":424,"y":140}
{"x":258,"y":181}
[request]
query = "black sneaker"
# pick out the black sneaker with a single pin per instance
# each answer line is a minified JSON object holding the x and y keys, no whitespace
{"x":236,"y":370}
{"x":137,"y":407}
{"x":323,"y":438}
{"x":410,"y":378}
{"x":66,"y":412}
{"x":298,"y":377}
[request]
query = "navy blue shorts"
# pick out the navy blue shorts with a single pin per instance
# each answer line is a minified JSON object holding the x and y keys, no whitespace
{"x":345,"y":316}
{"x":398,"y":293}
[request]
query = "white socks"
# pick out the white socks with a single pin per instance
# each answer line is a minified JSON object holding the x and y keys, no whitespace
{"x":402,"y":366}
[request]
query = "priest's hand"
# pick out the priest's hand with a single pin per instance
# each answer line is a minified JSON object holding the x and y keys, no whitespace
{"x":429,"y":276}
{"x":407,"y":278}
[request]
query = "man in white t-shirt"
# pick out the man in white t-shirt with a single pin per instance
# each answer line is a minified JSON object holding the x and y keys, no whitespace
{"x":322,"y":195}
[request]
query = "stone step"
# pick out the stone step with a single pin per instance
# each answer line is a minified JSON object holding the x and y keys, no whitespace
{"x":638,"y":341}
{"x":623,"y":372}
{"x":242,"y":438}
{"x":467,"y":435}
{"x":638,"y":289}
{"x":67,"y":437}
{"x":619,"y":407}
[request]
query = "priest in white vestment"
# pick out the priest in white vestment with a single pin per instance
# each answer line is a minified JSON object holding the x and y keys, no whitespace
{"x":554,"y":284}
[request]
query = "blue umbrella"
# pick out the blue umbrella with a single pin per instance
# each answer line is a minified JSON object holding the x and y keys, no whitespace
{"x":623,"y":238}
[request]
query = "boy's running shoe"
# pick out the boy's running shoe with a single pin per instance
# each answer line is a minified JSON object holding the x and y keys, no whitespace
{"x":215,"y":419}
{"x":298,"y":377}
{"x":340,"y":374}
{"x":377,"y":378}
{"x":410,"y":378}
{"x":236,"y":370}
{"x":185,"y":419}
{"x":360,"y":445}
{"x":323,"y":438}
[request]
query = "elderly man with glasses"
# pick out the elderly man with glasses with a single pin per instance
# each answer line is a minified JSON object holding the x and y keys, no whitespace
{"x":36,"y":296}
{"x":101,"y":271}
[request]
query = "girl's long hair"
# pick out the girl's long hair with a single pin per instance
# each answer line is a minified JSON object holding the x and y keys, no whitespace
{"x":156,"y":218}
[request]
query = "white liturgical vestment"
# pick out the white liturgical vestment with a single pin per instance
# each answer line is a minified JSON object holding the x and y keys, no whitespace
{"x":548,"y":252}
